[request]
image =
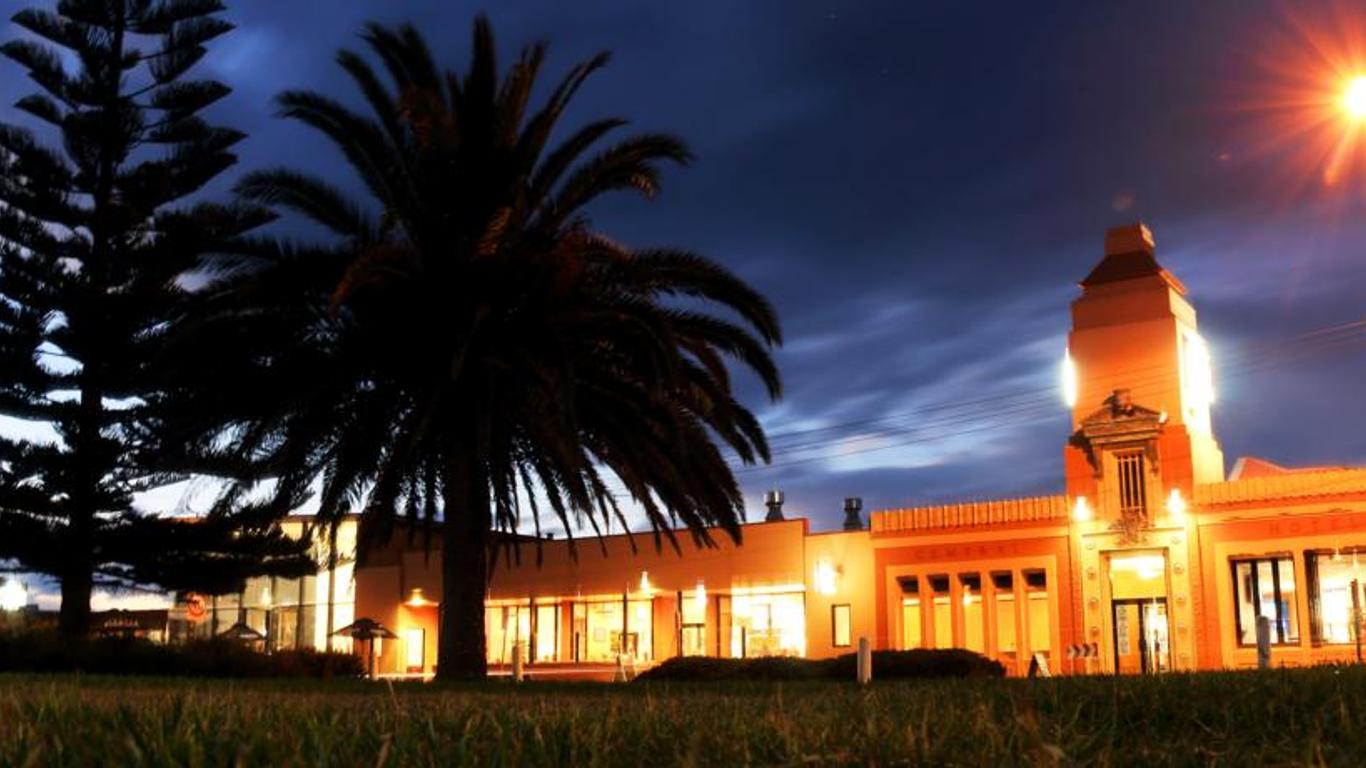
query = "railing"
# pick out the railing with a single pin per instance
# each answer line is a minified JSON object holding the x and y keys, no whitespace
{"x":977,"y":513}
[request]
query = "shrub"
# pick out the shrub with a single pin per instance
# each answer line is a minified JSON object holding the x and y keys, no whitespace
{"x":919,"y":663}
{"x":49,"y":652}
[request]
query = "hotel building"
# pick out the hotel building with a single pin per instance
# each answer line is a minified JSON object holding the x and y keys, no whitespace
{"x":1152,"y":559}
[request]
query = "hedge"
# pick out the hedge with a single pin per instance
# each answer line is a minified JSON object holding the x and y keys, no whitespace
{"x":49,"y":652}
{"x":918,"y":663}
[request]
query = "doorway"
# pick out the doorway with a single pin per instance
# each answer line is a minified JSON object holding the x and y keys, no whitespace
{"x":1142,"y":644}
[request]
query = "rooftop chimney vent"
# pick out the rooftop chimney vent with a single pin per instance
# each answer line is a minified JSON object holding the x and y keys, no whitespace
{"x":774,"y":501}
{"x":852,"y":521}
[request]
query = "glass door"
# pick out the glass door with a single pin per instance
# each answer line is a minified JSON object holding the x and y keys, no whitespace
{"x":1141,"y":641}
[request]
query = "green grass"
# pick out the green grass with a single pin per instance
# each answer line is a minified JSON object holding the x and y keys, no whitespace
{"x":1287,"y":717}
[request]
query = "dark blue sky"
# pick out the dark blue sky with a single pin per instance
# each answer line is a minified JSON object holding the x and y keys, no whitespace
{"x":919,"y":186}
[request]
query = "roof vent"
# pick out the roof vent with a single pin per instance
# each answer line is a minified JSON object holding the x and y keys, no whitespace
{"x":852,"y":521}
{"x":774,"y":501}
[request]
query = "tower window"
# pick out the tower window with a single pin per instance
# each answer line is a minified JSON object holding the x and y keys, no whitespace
{"x":1133,"y":484}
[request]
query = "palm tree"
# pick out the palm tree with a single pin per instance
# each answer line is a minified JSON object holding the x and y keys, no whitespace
{"x":466,"y":346}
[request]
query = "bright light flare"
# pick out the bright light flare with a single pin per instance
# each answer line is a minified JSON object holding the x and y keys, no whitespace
{"x":1309,"y":96}
{"x":13,"y":596}
{"x":1176,"y":506}
{"x":1354,"y":98}
{"x":825,"y":577}
{"x":1069,"y":379}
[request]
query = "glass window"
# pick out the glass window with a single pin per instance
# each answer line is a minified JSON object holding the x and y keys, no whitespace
{"x":943,"y":612}
{"x":1004,"y":584}
{"x":507,"y":627}
{"x":974,"y":629}
{"x":693,"y":636}
{"x":640,"y":633}
{"x":910,"y":612}
{"x":547,"y":632}
{"x":1132,"y":483}
{"x":1040,"y":617}
{"x":580,"y":620}
{"x":1330,"y":590}
{"x":604,"y":626}
{"x":415,"y":648}
{"x":1266,"y":587}
{"x":768,"y":625}
{"x":841,"y":628}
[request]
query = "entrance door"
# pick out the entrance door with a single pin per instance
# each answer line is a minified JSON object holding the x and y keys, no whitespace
{"x":1141,"y":642}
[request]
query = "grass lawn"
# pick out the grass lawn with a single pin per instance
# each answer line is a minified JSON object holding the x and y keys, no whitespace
{"x":1315,"y":716}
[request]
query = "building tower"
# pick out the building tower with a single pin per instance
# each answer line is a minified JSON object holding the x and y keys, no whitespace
{"x":1141,"y":382}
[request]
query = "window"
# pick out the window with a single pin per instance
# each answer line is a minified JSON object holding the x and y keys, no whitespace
{"x":1133,"y":493}
{"x":693,"y":639}
{"x":1036,"y":599}
{"x":840,"y":620}
{"x":974,"y":629}
{"x":910,"y":612}
{"x":1331,"y":577}
{"x":768,"y":625}
{"x":547,"y":635}
{"x":414,"y":648}
{"x":1004,"y":583}
{"x":1266,"y":587}
{"x":614,"y":628}
{"x":943,"y":612}
{"x":507,"y":627}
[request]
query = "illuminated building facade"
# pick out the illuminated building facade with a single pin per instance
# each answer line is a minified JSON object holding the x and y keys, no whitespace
{"x":287,"y":614}
{"x":1152,"y":557}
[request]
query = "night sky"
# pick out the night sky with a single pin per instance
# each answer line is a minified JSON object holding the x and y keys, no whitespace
{"x":919,"y":186}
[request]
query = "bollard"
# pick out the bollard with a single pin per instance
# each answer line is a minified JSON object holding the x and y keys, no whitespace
{"x":1263,"y":642}
{"x":865,"y":661}
{"x":517,"y":662}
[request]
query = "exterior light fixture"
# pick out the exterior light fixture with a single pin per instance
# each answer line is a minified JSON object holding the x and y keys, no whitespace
{"x":13,"y":596}
{"x":825,"y":577}
{"x":699,"y":597}
{"x":267,"y":600}
{"x":645,"y":582}
{"x":1069,"y":379}
{"x":1176,"y":506}
{"x":416,"y":599}
{"x":1081,"y":511}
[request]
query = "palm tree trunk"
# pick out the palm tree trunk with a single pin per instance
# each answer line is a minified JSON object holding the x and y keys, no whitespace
{"x":464,"y":571}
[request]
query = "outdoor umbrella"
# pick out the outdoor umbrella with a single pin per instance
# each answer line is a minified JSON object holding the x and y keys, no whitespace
{"x":368,"y":630}
{"x":241,"y":631}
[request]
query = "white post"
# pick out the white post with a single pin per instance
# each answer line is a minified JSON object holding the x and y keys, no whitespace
{"x":517,"y":661}
{"x":1263,"y":642}
{"x":865,"y":661}
{"x":620,"y":675}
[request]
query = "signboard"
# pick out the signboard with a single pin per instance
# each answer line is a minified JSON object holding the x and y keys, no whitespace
{"x":1038,"y":666}
{"x":196,"y":607}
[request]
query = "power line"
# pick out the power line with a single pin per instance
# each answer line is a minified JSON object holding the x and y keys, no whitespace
{"x":1035,"y":404}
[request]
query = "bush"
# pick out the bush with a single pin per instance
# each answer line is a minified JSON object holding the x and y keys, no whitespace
{"x":49,"y":652}
{"x":919,"y":663}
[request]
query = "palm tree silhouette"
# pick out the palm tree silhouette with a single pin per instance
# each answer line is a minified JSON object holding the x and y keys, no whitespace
{"x":468,"y":347}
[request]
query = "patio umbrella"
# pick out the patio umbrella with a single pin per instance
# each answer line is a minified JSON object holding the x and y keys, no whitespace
{"x":241,"y":631}
{"x":368,"y":630}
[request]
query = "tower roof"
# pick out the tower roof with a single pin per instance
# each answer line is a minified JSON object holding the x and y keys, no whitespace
{"x":1129,"y":255}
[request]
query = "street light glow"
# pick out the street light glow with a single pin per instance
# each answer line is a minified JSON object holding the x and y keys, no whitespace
{"x":13,"y":596}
